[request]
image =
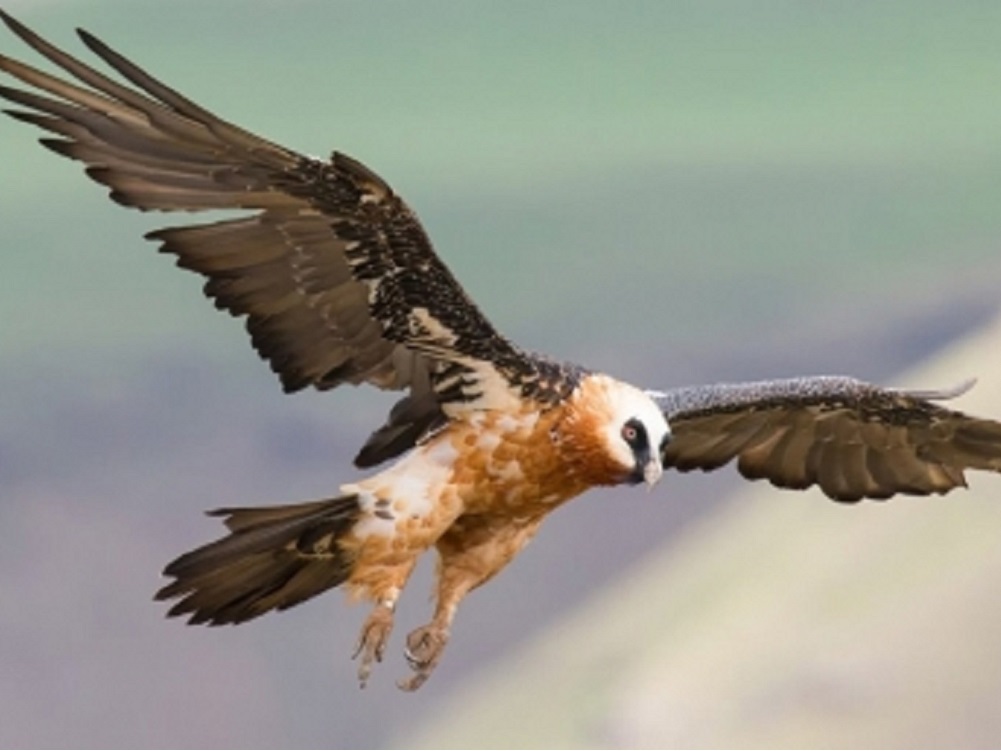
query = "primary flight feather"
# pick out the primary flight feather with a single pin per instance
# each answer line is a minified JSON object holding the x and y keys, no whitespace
{"x":338,"y":283}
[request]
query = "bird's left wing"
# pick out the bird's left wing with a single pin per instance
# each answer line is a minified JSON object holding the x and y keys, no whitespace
{"x":333,"y":272}
{"x":851,"y":438}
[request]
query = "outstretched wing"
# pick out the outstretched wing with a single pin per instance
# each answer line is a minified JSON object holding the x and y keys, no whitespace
{"x":852,"y":439}
{"x":332,"y":270}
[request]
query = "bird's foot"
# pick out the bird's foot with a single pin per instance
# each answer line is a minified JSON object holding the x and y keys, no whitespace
{"x":425,"y":646}
{"x":372,"y":641}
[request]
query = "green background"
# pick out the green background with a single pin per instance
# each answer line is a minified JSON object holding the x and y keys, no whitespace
{"x":669,"y":191}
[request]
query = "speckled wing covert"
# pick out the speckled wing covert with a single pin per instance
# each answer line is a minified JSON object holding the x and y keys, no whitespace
{"x":853,"y":439}
{"x":334,"y":273}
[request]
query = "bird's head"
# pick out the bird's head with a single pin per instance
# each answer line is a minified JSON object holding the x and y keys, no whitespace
{"x":621,"y":431}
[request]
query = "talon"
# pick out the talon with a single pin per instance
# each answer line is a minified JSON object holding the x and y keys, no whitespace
{"x":415,"y":662}
{"x":425,"y":646}
{"x":372,"y":640}
{"x":412,"y":683}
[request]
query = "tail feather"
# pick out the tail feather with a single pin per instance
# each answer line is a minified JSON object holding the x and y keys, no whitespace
{"x":274,"y":557}
{"x":239,"y":519}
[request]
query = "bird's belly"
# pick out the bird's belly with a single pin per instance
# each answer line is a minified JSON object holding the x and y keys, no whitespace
{"x":496,"y":464}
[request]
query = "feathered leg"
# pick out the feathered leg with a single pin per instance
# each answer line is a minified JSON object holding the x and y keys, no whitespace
{"x":378,"y":626}
{"x":471,"y":552}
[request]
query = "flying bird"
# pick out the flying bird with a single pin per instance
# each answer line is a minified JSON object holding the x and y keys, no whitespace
{"x":338,"y":283}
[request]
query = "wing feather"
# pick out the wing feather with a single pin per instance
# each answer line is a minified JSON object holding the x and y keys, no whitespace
{"x":792,"y":452}
{"x":333,"y":272}
{"x":852,"y":439}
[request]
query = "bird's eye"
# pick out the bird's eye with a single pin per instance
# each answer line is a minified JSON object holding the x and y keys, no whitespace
{"x":632,"y":433}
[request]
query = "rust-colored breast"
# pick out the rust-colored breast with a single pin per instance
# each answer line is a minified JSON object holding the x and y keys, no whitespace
{"x":528,"y":462}
{"x":512,"y":464}
{"x":494,"y":473}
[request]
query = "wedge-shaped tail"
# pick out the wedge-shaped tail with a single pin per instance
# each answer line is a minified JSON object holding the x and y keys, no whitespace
{"x":274,"y":557}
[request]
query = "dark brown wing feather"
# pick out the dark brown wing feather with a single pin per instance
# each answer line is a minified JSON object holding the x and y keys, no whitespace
{"x":333,"y":272}
{"x":852,"y":439}
{"x":284,"y":266}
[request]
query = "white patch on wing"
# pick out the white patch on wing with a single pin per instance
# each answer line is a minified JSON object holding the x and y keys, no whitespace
{"x":486,"y":389}
{"x":373,"y":289}
{"x":423,"y":324}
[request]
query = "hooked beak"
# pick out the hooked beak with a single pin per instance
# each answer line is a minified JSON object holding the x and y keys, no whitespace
{"x":652,"y":472}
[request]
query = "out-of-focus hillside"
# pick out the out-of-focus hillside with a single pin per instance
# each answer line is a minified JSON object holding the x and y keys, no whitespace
{"x":670,"y":191}
{"x":781,"y":620}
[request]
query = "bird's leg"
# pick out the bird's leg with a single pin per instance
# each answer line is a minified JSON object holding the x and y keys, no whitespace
{"x":373,"y":638}
{"x":383,"y":584}
{"x":425,"y":645}
{"x":471,"y":552}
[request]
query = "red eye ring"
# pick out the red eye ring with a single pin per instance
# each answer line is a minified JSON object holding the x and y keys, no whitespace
{"x":629,"y":433}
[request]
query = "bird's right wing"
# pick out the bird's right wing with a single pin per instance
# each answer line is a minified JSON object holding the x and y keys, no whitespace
{"x":333,"y":272}
{"x":851,"y":438}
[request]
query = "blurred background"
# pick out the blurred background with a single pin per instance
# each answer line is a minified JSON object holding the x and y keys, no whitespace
{"x":674,"y":192}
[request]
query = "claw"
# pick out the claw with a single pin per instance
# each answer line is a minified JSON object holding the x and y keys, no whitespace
{"x":425,"y":646}
{"x":412,"y":683}
{"x":372,"y":640}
